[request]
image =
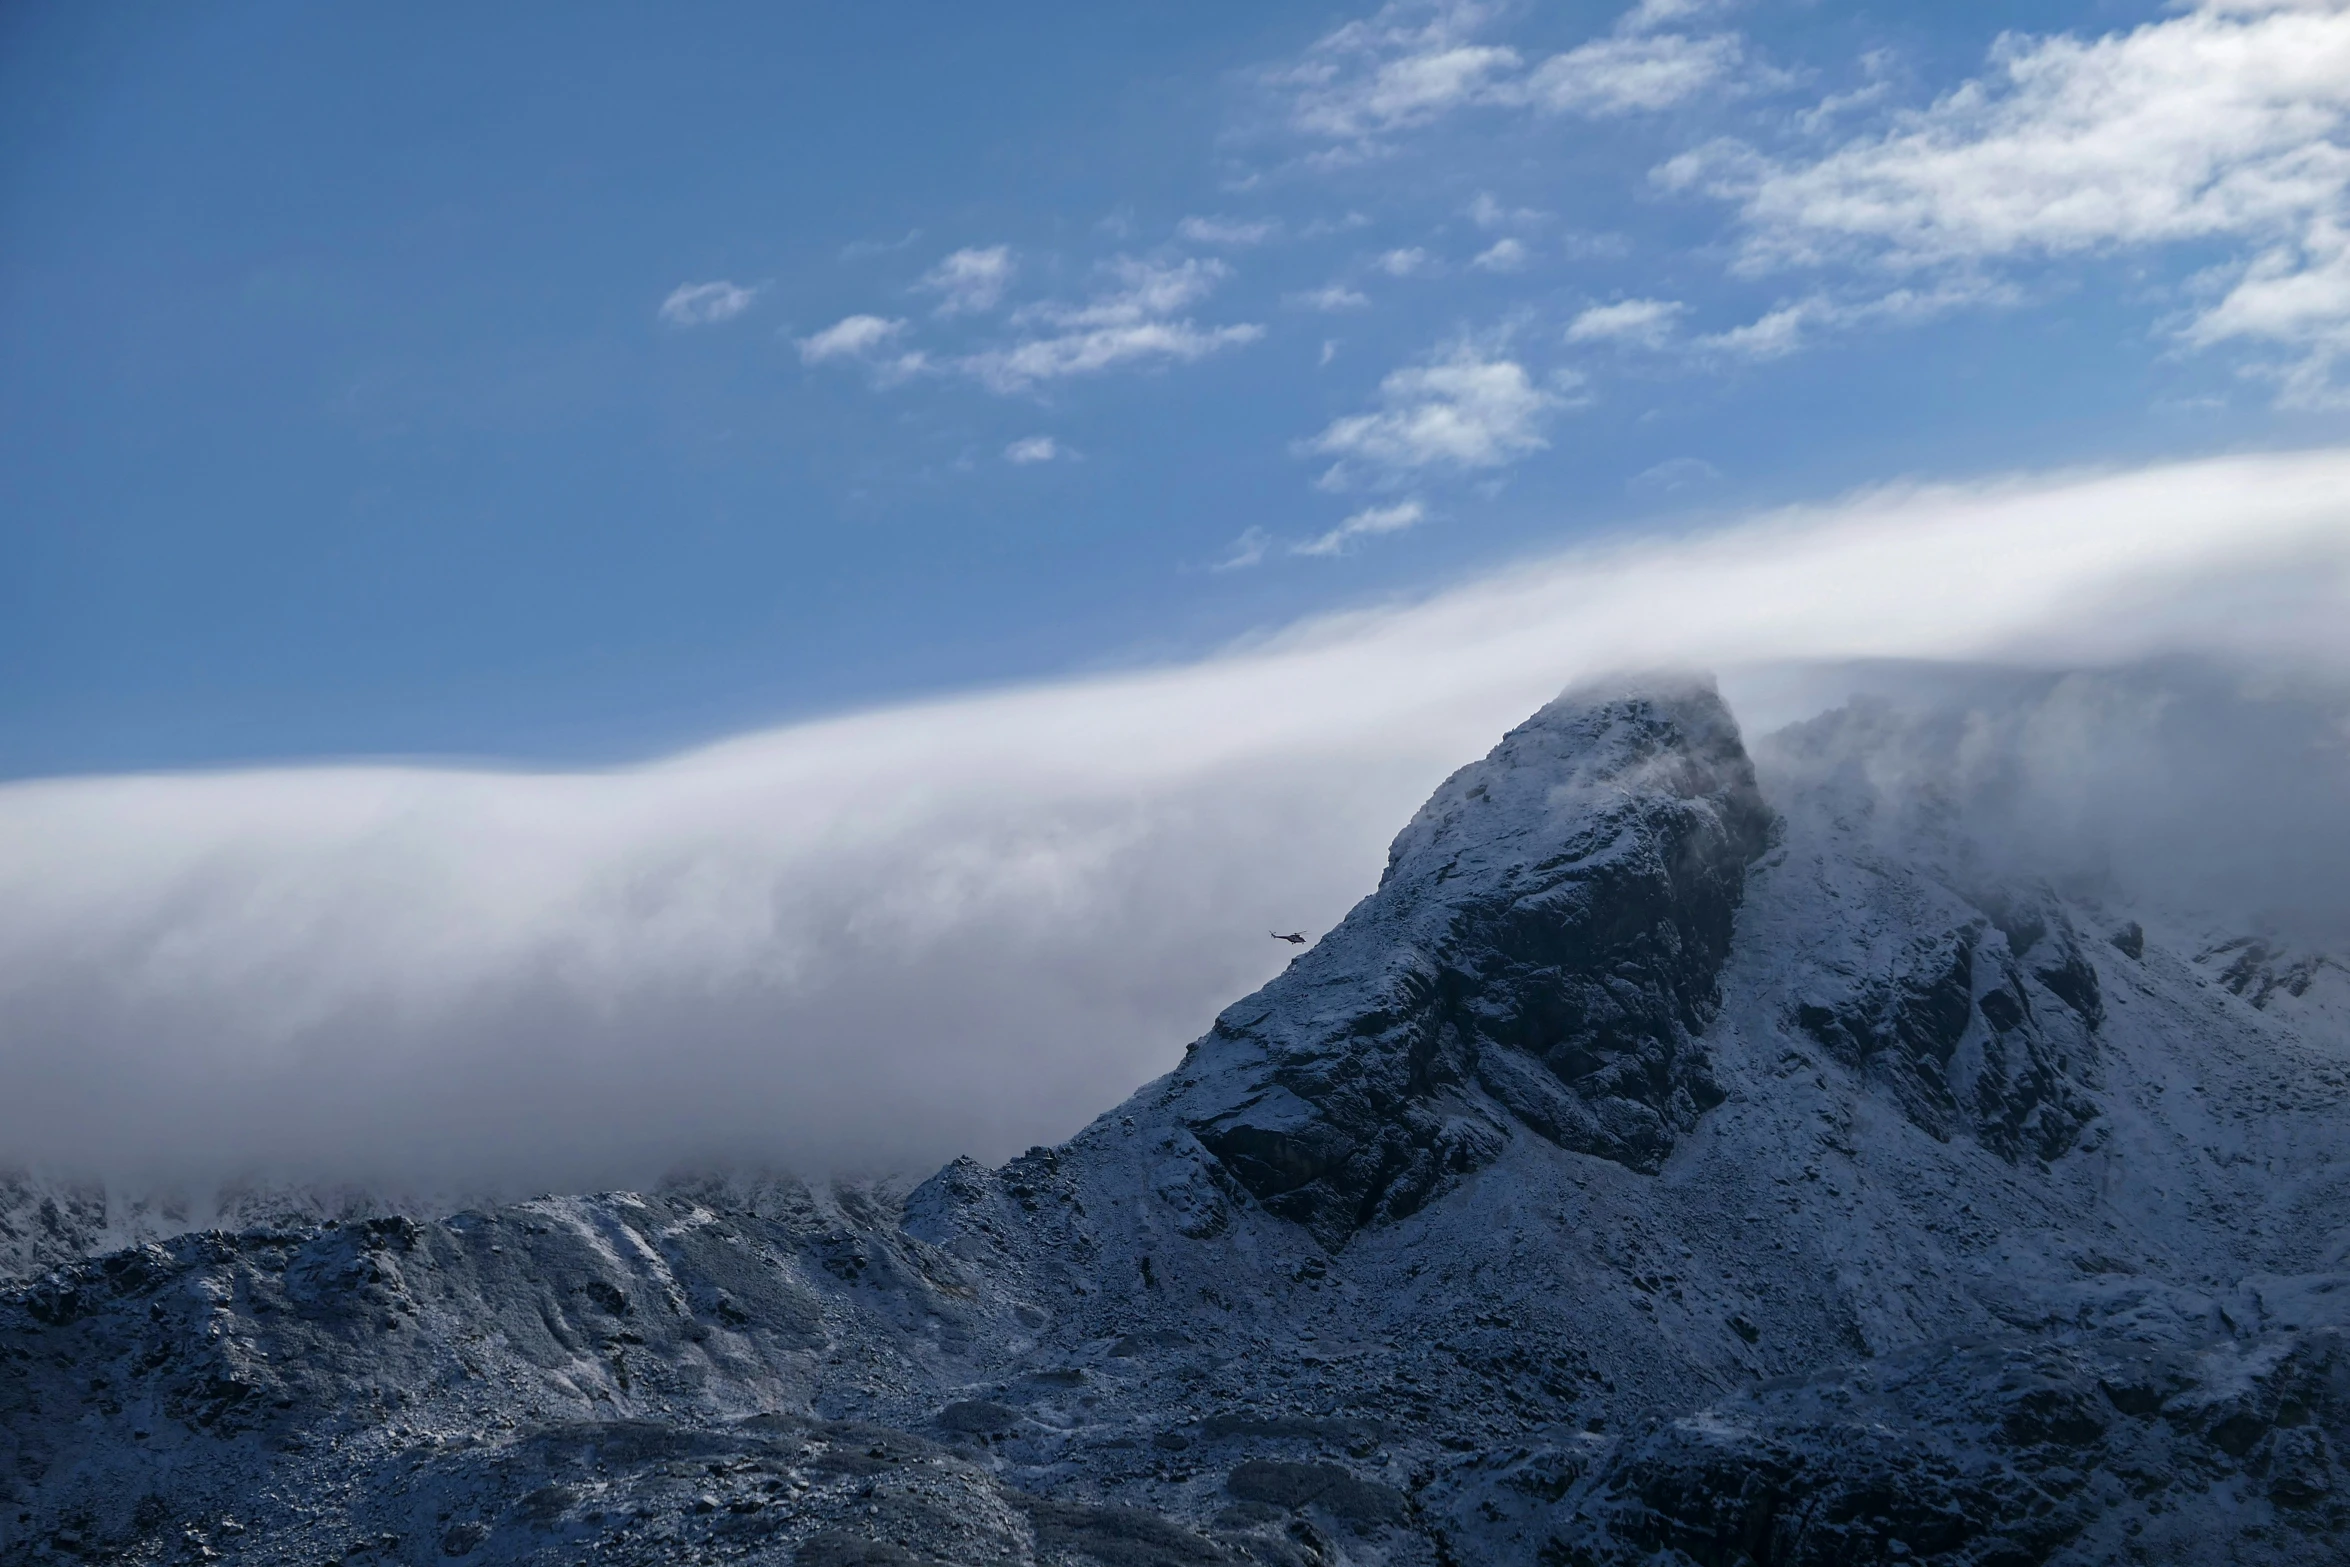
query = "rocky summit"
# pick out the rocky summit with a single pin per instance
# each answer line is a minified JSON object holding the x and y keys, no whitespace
{"x":1685,"y":1155}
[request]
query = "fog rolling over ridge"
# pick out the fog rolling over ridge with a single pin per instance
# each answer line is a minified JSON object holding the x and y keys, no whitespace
{"x":968,"y":926}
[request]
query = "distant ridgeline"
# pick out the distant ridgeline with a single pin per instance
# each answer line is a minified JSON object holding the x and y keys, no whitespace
{"x":1670,"y":1162}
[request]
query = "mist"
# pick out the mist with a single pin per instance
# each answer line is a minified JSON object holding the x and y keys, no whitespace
{"x":970,"y":924}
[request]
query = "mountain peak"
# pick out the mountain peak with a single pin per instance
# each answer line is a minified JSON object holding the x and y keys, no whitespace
{"x":1541,"y":954}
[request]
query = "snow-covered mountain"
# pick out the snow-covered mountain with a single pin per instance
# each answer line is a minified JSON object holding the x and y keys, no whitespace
{"x":1683,"y":1155}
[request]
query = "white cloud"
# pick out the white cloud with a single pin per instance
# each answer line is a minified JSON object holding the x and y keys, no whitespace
{"x":1649,"y":15}
{"x":1247,"y":550}
{"x":1226,"y":231}
{"x":859,"y":249}
{"x":1504,"y":255}
{"x":706,"y":304}
{"x":1143,"y":291}
{"x":1331,"y":296}
{"x":1370,"y":522}
{"x":1134,"y":320}
{"x":1674,"y":474}
{"x":864,"y":340}
{"x":1415,"y":61}
{"x":2226,"y":125}
{"x":1487,"y":212}
{"x":1786,"y":328}
{"x":971,"y":281}
{"x":1646,"y":322}
{"x":850,"y":337}
{"x":1099,"y":348}
{"x":1463,"y":410}
{"x":891,"y":937}
{"x":1034,"y":449}
{"x":1622,"y":75}
{"x":1405,"y":66}
{"x":1772,"y":335}
{"x":1409,"y":261}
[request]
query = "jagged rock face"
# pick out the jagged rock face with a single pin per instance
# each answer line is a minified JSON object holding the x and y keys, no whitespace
{"x":1542,"y":951}
{"x":2016,"y":1236}
{"x":2089,"y":1448}
{"x":1971,"y":1002}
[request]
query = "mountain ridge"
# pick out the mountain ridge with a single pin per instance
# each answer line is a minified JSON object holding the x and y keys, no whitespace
{"x":1953,"y":1231}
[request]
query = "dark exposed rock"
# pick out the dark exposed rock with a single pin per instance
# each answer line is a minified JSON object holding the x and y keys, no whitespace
{"x":1545,"y":1306}
{"x":1861,"y":1466}
{"x":1542,"y":951}
{"x":1902,"y":1029}
{"x":1952,"y":1031}
{"x":1296,"y":1485}
{"x":2260,"y":970}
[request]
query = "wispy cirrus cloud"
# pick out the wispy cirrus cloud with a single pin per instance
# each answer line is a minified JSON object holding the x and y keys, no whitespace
{"x":1672,"y":475}
{"x":1466,"y":409}
{"x":1794,"y":325}
{"x":1033,"y":449}
{"x":706,"y":304}
{"x":1370,"y":522}
{"x":1487,"y":212}
{"x":972,"y":280}
{"x":870,"y":341}
{"x":1139,"y":319}
{"x":1416,"y":61}
{"x":1228,"y":232}
{"x":1507,"y":254}
{"x":1629,"y":74}
{"x":1647,"y":323}
{"x":1246,"y":551}
{"x":1331,"y":297}
{"x":2223,"y":125}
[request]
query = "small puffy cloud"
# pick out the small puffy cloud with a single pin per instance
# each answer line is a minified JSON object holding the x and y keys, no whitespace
{"x":1405,"y":66}
{"x":1788,"y":328}
{"x":1247,"y":550}
{"x":1225,"y":231}
{"x":1621,"y":75}
{"x":970,"y":281}
{"x":1415,"y":62}
{"x":853,"y":337}
{"x":706,"y":304}
{"x":864,"y":340}
{"x":1100,"y":348}
{"x":1034,"y":449}
{"x":1487,"y":212}
{"x":1142,"y":291}
{"x":1505,"y":255}
{"x":1462,"y":411}
{"x":1645,"y":322}
{"x":859,"y":249}
{"x":1649,"y":15}
{"x":1674,"y":474}
{"x":1367,"y":523}
{"x":1330,"y":296}
{"x":2222,"y":127}
{"x":1773,"y":335}
{"x":1135,"y":320}
{"x":1409,"y":261}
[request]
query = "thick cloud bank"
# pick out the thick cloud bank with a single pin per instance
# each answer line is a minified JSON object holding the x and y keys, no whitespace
{"x":965,"y":926}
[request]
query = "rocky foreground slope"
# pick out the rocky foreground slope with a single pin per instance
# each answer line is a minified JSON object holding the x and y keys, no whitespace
{"x":1665,"y":1164}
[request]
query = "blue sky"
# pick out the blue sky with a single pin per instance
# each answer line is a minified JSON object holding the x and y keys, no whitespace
{"x":571,"y":383}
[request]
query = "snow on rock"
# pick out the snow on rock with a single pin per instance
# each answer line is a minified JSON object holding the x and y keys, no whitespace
{"x":1640,"y":1174}
{"x":1542,"y":951}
